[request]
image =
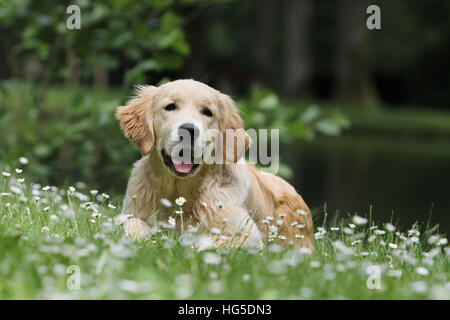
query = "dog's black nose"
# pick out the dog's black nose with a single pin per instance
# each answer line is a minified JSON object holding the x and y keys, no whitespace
{"x":190,"y":128}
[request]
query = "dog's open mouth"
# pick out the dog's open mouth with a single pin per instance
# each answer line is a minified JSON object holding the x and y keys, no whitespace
{"x":177,"y":166}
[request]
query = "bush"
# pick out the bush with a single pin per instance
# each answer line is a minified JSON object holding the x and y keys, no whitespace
{"x":72,"y":136}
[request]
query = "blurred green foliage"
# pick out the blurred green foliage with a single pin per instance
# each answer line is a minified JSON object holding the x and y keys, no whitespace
{"x":149,"y":37}
{"x":74,"y":136}
{"x":263,"y":109}
{"x":71,"y":134}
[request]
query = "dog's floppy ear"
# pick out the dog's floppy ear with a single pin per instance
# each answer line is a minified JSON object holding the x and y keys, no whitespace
{"x":136,"y":118}
{"x":234,"y":138}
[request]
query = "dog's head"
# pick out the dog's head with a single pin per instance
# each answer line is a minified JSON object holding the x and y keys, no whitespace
{"x":185,"y":122}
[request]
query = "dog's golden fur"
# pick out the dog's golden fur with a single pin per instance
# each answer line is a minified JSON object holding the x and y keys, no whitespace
{"x":246,"y":194}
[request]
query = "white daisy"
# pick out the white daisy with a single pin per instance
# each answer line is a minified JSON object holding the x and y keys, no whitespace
{"x":433,"y":239}
{"x":318,"y":235}
{"x":414,"y":240}
{"x":273,"y":229}
{"x":389,"y":227}
{"x":180,"y":201}
{"x":215,"y":231}
{"x":212,"y":258}
{"x":348,"y":230}
{"x":422,"y":271}
{"x":413,"y":232}
{"x":359,"y":220}
{"x":419,"y":287}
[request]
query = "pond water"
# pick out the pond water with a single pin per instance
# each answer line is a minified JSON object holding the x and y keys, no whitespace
{"x":404,"y":176}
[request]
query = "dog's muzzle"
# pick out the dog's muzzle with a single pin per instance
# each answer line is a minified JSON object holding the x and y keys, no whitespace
{"x":181,"y":160}
{"x":178,"y":166}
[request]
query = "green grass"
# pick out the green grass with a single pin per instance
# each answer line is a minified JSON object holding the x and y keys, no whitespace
{"x":43,"y":233}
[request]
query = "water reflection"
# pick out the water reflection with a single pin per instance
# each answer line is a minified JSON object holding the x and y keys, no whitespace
{"x":403,"y":176}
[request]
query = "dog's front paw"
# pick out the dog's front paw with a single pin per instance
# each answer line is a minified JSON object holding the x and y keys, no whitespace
{"x":137,"y":229}
{"x":205,"y":243}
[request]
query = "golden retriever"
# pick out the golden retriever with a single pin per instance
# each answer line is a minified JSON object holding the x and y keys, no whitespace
{"x":235,"y":199}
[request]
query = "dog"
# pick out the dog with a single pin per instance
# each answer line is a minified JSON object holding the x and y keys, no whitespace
{"x":233,"y":198}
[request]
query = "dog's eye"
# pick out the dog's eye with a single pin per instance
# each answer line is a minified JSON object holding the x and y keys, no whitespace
{"x":207,"y":112}
{"x":170,"y":107}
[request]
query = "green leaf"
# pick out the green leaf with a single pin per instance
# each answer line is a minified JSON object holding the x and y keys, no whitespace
{"x":269,"y":102}
{"x":328,"y":127}
{"x":310,"y":114}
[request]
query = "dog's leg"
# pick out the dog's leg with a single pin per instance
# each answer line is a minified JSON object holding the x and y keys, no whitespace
{"x":236,"y":229}
{"x":137,"y":229}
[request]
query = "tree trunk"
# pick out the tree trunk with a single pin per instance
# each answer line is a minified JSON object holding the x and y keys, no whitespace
{"x":297,"y":47}
{"x":73,"y":77}
{"x":264,"y":42}
{"x":4,"y":50}
{"x":353,"y":75}
{"x":101,"y":76}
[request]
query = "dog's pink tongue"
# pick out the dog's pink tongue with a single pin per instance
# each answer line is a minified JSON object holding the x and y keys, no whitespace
{"x":183,"y":167}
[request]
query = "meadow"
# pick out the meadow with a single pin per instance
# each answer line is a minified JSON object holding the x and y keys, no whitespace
{"x":68,"y":243}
